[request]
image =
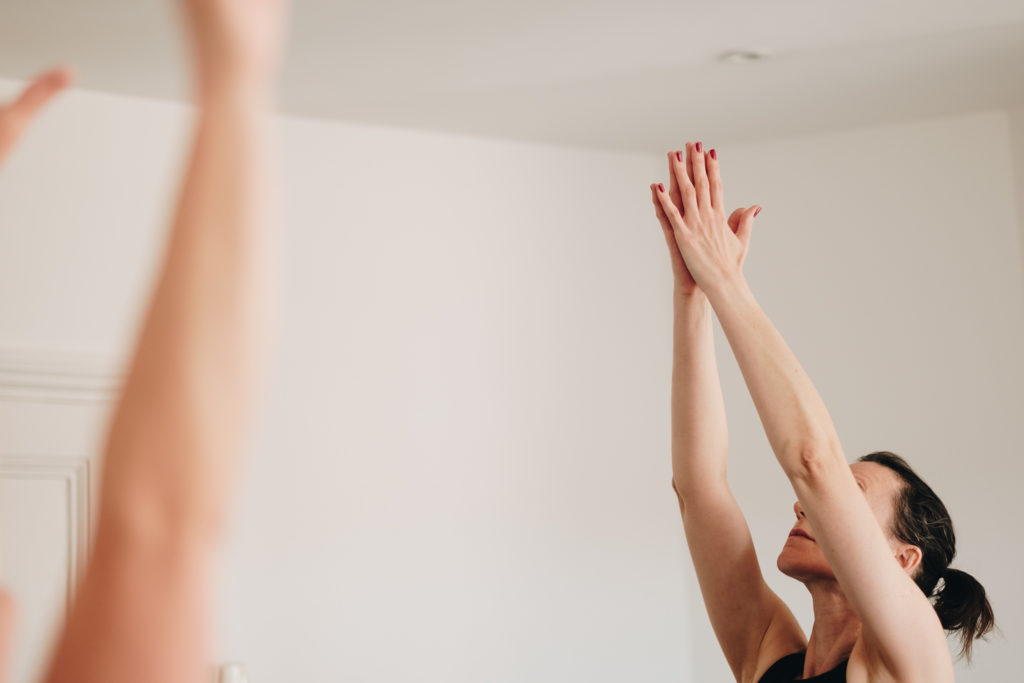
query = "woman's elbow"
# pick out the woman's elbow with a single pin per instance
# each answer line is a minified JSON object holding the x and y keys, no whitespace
{"x":812,"y":463}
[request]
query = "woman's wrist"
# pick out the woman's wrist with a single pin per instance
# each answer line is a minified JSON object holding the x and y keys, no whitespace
{"x":688,"y":295}
{"x":250,"y":83}
{"x":728,"y":292}
{"x":691,"y":310}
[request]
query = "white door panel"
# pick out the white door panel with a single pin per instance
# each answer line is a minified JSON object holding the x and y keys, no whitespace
{"x":51,"y":425}
{"x":36,"y":533}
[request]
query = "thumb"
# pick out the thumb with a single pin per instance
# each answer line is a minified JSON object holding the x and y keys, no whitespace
{"x":41,"y":89}
{"x":742,"y":220}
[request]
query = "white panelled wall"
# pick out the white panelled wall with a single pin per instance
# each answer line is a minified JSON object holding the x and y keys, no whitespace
{"x":51,"y":415}
{"x":462,"y":472}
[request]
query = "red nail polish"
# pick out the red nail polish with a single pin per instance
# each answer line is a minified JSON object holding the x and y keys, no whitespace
{"x":700,"y":148}
{"x":714,"y":155}
{"x":661,"y":188}
{"x":758,"y":211}
{"x":679,"y":156}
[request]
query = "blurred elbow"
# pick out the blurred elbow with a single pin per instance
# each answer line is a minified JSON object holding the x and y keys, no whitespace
{"x":160,"y":521}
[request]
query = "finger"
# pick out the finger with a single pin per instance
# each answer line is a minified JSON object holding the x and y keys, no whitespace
{"x":687,"y":194}
{"x":686,"y":161}
{"x":666,"y":230}
{"x":40,"y":91}
{"x":675,"y":219}
{"x":673,"y":187}
{"x":700,"y":178}
{"x":744,"y":222}
{"x":658,"y":210}
{"x":714,"y":181}
{"x":734,"y":218}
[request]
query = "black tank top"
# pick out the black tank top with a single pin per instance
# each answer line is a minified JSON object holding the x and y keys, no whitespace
{"x":790,"y":667}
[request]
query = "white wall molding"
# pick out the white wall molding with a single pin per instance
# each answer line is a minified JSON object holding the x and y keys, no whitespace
{"x":56,"y":378}
{"x":75,"y":474}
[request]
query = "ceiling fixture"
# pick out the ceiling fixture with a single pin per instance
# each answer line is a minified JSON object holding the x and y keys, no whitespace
{"x":741,"y":57}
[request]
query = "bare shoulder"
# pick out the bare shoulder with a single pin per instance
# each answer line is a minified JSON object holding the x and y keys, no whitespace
{"x":868,"y":666}
{"x":784,"y":636}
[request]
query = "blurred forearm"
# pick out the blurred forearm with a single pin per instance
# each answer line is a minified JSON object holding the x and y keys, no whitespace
{"x":181,"y":420}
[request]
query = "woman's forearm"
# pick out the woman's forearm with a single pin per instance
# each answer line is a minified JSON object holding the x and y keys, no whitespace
{"x":699,"y":435}
{"x":793,"y":414}
{"x":180,"y":423}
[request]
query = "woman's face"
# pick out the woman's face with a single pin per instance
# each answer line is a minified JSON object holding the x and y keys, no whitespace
{"x":801,"y":557}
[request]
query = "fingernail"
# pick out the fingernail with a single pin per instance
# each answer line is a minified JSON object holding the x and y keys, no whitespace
{"x":700,"y":148}
{"x":758,"y":211}
{"x":714,"y":155}
{"x":661,"y":187}
{"x":679,"y":156}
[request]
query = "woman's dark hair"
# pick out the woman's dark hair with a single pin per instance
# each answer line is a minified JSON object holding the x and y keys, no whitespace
{"x":922,"y":520}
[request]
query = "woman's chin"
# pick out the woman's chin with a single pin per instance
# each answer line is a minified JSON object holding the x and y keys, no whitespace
{"x":803,"y":565}
{"x":785,"y":563}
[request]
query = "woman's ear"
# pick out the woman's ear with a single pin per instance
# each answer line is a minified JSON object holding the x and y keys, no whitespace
{"x":909,"y":557}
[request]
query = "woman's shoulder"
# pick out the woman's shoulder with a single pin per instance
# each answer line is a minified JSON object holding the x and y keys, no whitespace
{"x":866,"y":666}
{"x":783,"y":638}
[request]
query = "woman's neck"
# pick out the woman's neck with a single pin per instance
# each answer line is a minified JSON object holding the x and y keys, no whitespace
{"x":835,"y":631}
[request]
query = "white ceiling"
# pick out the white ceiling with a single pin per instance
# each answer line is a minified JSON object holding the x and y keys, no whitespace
{"x":636,"y":75}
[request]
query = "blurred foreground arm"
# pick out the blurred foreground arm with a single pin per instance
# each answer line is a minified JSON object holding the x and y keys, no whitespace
{"x":180,"y":424}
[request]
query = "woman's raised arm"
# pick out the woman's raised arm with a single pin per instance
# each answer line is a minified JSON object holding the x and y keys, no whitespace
{"x":180,"y":423}
{"x":743,"y":610}
{"x":899,"y":623}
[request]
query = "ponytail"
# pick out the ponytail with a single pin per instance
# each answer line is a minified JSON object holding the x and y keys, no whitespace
{"x":962,"y":606}
{"x":922,"y":520}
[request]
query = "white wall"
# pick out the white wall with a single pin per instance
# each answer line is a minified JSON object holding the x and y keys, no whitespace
{"x":462,"y":473}
{"x":1016,"y":120}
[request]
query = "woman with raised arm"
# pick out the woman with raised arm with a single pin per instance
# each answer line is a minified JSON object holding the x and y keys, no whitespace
{"x":871,"y":540}
{"x":140,"y":613}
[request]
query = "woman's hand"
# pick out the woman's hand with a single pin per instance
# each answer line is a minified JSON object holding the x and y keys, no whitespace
{"x":15,"y":116}
{"x":711,"y":246}
{"x":236,"y":43}
{"x":684,"y":282}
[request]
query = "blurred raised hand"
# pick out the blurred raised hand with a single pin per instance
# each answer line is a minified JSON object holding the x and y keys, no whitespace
{"x":15,"y":116}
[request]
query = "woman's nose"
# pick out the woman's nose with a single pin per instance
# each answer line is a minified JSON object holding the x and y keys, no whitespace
{"x":799,"y":510}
